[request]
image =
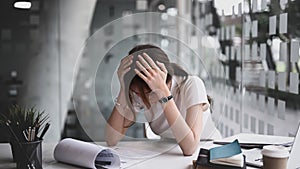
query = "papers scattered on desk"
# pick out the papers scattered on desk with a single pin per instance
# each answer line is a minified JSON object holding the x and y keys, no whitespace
{"x":253,"y":157}
{"x":132,"y":153}
{"x":85,"y":154}
{"x":131,"y":156}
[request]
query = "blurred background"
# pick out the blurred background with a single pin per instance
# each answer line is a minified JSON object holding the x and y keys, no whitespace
{"x":247,"y":53}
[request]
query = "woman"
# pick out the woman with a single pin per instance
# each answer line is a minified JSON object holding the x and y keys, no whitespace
{"x":175,"y":103}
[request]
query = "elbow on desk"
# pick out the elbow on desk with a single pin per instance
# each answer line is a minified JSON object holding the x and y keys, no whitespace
{"x":188,"y":151}
{"x":111,"y":141}
{"x":111,"y":136}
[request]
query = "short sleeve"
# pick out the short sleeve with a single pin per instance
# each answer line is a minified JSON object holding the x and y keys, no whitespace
{"x":193,"y":92}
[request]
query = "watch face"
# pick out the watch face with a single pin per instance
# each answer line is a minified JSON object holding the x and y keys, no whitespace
{"x":164,"y":100}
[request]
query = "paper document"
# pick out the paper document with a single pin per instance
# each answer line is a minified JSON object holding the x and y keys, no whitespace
{"x":131,"y":156}
{"x":253,"y":157}
{"x":85,"y":154}
{"x":236,"y":160}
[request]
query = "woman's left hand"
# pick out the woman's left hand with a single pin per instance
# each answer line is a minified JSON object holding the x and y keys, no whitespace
{"x":154,"y":74}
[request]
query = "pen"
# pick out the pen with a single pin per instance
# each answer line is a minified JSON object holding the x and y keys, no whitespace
{"x":37,"y":127}
{"x":33,"y":134}
{"x":24,"y":133}
{"x":259,"y":159}
{"x":29,"y":133}
{"x":44,"y":131}
{"x":12,"y":131}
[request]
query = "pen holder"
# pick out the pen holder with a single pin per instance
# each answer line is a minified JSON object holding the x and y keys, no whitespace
{"x":28,"y":153}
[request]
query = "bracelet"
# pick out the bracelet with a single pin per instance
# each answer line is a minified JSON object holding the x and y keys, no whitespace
{"x":116,"y":102}
{"x":119,"y":104}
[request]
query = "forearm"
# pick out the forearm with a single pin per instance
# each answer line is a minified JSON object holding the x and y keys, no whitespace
{"x":114,"y":130}
{"x":187,"y":139}
{"x":115,"y":127}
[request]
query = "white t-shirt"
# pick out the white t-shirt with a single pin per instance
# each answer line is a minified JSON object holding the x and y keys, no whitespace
{"x":189,"y":93}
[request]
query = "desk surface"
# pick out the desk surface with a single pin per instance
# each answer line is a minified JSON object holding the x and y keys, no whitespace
{"x":170,"y":156}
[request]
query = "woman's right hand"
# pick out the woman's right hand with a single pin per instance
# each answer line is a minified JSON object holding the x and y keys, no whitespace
{"x":124,"y":67}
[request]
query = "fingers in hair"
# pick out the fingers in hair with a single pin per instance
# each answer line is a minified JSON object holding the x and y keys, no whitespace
{"x":162,"y":66}
{"x":150,"y":61}
{"x":142,"y":68}
{"x":140,"y":74}
{"x":143,"y":62}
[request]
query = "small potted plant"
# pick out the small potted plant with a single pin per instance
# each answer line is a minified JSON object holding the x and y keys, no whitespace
{"x":27,"y":127}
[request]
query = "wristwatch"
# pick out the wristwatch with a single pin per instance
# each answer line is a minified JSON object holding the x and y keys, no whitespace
{"x":165,"y":99}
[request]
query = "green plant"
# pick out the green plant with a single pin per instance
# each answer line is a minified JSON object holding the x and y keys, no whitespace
{"x":20,"y":119}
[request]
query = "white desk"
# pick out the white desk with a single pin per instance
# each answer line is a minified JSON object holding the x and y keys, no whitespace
{"x":168,"y":155}
{"x":172,"y":158}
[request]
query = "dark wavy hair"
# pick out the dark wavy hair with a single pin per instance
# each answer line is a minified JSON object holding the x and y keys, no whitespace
{"x":131,"y":78}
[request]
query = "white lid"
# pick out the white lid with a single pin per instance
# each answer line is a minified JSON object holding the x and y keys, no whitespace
{"x":275,"y":151}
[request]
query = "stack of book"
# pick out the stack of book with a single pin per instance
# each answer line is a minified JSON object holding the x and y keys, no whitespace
{"x":228,"y":156}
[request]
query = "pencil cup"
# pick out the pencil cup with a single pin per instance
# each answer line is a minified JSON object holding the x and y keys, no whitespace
{"x":275,"y":157}
{"x":28,"y":153}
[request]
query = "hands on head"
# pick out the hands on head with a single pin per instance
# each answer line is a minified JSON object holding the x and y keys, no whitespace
{"x":153,"y":73}
{"x":147,"y":72}
{"x":124,"y":67}
{"x":143,"y":73}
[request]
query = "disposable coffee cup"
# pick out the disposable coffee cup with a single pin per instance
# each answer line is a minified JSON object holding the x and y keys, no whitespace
{"x":275,"y":157}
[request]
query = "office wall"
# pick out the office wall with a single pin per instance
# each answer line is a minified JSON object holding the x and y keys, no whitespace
{"x":42,"y":45}
{"x":29,"y":47}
